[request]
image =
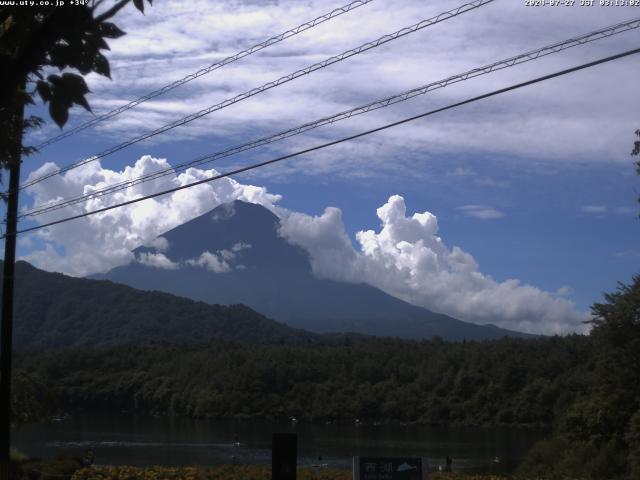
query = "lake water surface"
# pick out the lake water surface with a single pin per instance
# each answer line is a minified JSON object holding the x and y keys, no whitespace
{"x":147,"y":440}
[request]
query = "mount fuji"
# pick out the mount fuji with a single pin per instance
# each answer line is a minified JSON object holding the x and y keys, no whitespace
{"x":234,"y":255}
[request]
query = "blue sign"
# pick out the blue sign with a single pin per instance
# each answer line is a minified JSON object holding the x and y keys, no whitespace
{"x":389,"y":468}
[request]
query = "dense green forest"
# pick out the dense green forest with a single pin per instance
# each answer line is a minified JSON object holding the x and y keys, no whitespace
{"x":499,"y":382}
{"x":586,"y":387}
{"x":598,"y":435}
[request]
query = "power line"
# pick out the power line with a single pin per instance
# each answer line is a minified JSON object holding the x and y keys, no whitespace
{"x":244,"y":53}
{"x":267,"y":86}
{"x":377,"y":104}
{"x":335,"y":142}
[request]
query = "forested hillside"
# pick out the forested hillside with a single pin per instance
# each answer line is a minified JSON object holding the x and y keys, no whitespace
{"x":586,"y":387}
{"x":54,"y":311}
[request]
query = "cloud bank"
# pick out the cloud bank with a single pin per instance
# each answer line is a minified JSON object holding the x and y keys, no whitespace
{"x":547,"y":123}
{"x":405,"y":257}
{"x":100,"y":242}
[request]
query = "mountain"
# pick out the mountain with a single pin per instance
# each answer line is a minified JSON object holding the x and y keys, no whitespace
{"x":233,"y":254}
{"x":54,"y":311}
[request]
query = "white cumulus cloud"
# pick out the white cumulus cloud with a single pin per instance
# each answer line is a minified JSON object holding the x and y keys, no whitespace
{"x":405,"y":257}
{"x":157,"y":260}
{"x":103,"y":241}
{"x":211,"y":261}
{"x":160,"y":244}
{"x":221,"y":261}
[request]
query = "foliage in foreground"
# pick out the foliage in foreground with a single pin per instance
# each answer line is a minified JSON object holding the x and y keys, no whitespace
{"x":59,"y":468}
{"x":229,"y":472}
{"x":70,"y":470}
{"x":598,"y":435}
{"x":224,"y":472}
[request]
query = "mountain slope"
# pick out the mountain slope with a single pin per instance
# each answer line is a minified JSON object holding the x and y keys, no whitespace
{"x":53,"y":311}
{"x":233,"y":254}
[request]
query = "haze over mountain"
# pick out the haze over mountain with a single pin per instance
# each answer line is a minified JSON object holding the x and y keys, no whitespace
{"x":234,"y":254}
{"x":52,"y":310}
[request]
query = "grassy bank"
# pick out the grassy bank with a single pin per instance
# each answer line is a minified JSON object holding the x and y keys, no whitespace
{"x":230,"y":472}
{"x":70,"y":470}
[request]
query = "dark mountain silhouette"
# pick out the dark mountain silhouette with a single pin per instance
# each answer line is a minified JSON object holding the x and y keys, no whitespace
{"x":233,"y":254}
{"x":54,"y":311}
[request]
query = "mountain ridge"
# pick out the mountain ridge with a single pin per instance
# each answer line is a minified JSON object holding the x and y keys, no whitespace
{"x":53,"y":310}
{"x":234,"y":254}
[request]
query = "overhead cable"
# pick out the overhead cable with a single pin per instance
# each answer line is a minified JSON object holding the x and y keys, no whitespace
{"x":267,"y":86}
{"x":215,"y":66}
{"x":377,"y":104}
{"x":334,"y":142}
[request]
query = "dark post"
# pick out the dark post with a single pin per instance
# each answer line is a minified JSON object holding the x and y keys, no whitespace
{"x":6,"y":327}
{"x":284,"y":456}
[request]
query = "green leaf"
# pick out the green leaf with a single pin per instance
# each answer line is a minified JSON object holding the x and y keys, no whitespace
{"x":62,"y":93}
{"x":54,"y":80}
{"x":101,"y":65}
{"x":82,"y":101}
{"x":65,"y":55}
{"x":74,"y":83}
{"x":44,"y":90}
{"x":139,"y":4}
{"x":97,"y":42}
{"x":59,"y":112}
{"x":72,"y":89}
{"x":110,"y":30}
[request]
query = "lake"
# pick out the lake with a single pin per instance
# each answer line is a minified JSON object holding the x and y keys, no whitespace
{"x":147,"y":440}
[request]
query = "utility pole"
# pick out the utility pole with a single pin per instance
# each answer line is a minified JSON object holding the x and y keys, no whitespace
{"x":6,"y":321}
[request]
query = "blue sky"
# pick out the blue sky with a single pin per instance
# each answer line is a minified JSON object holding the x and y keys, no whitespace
{"x":544,"y":238}
{"x":535,"y":185}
